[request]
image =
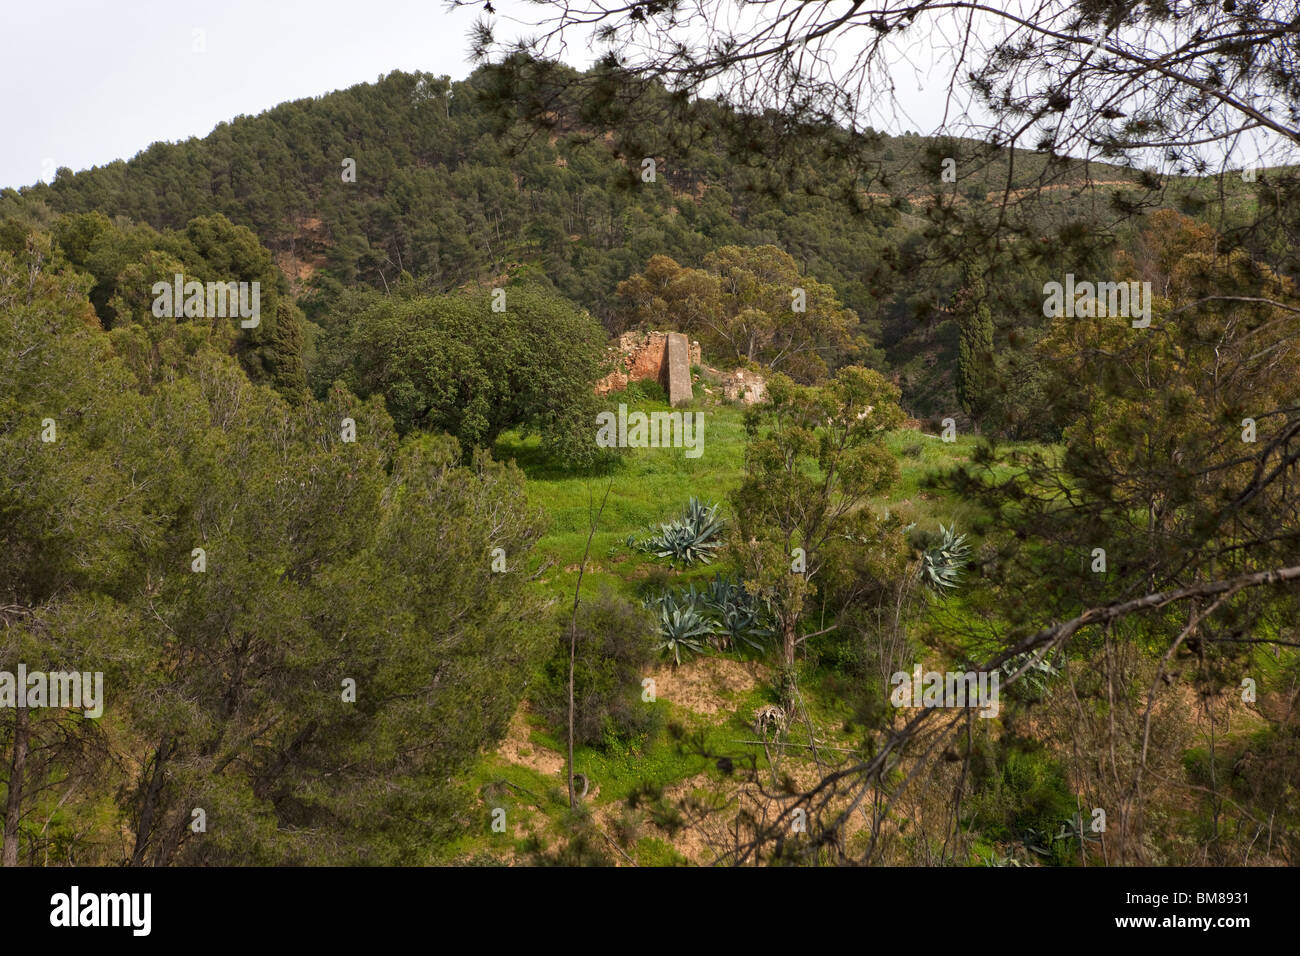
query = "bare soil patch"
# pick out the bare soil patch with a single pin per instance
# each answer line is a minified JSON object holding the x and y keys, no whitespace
{"x":706,"y":685}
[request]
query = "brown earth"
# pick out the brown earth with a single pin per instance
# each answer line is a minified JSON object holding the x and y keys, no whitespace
{"x":705,"y":685}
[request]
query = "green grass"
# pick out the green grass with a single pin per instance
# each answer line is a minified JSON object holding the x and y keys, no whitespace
{"x":653,"y":852}
{"x":651,"y":485}
{"x":648,"y":486}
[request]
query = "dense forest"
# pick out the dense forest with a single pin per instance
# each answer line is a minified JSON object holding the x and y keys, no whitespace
{"x":363,"y":589}
{"x":411,"y":180}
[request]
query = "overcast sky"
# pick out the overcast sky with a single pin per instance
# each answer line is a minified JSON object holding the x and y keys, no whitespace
{"x":90,"y":81}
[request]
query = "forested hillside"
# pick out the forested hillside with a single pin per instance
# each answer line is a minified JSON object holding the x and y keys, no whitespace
{"x":414,"y":177}
{"x":309,"y":454}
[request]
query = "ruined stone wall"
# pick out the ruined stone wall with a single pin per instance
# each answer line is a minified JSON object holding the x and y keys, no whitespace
{"x":744,"y":386}
{"x":640,"y":356}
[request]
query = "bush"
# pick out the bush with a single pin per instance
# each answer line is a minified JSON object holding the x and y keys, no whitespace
{"x":616,"y":646}
{"x":646,"y":391}
{"x":448,"y":363}
{"x":1021,"y":796}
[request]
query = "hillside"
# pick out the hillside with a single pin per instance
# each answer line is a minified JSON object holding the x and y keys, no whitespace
{"x":412,"y":176}
{"x":372,"y":583}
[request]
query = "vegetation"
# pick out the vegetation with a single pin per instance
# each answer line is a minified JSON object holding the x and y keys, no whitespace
{"x":454,"y":364}
{"x":342,"y":569}
{"x":615,"y":647}
{"x":689,"y":539}
{"x":286,"y":621}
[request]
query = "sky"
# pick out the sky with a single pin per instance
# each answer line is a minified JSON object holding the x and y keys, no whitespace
{"x":91,"y":81}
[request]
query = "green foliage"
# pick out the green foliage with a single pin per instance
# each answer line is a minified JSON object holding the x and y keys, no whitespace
{"x":325,"y":563}
{"x":693,"y":537}
{"x":368,"y":561}
{"x":126,"y":260}
{"x":941,"y":563}
{"x":742,"y":306}
{"x":975,"y":358}
{"x":447,"y":192}
{"x":1021,"y":797}
{"x":645,"y":391}
{"x":615,"y":647}
{"x":1153,"y":446}
{"x":450,"y":363}
{"x":814,"y":457}
{"x":450,"y":192}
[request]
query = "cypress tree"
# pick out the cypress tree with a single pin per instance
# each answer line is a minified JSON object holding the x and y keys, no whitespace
{"x":975,"y":347}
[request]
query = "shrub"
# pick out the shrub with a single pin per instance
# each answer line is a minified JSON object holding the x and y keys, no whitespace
{"x":1021,"y":796}
{"x":447,"y":363}
{"x":645,"y":391}
{"x":615,"y":647}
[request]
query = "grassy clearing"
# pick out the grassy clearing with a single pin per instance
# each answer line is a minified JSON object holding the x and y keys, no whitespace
{"x":651,"y":485}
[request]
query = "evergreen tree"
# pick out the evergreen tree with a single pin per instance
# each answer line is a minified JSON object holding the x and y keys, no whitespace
{"x":975,"y":360}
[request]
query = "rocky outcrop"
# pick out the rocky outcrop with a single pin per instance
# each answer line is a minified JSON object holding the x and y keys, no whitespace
{"x":742,"y":385}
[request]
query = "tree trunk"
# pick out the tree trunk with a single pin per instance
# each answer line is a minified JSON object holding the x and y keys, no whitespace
{"x":788,"y":640}
{"x":14,"y":803}
{"x":150,"y":806}
{"x":573,"y":638}
{"x":573,"y":645}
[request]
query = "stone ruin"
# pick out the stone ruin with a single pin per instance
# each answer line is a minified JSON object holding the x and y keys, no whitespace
{"x":664,"y":357}
{"x":745,"y":386}
{"x":667,"y":358}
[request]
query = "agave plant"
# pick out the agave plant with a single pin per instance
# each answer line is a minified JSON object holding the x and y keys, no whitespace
{"x":1035,"y":677}
{"x":692,"y":537}
{"x":1076,"y":829}
{"x":683,"y":625}
{"x":941,"y":565}
{"x":1037,"y":841}
{"x":720,"y":591}
{"x":738,"y":616}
